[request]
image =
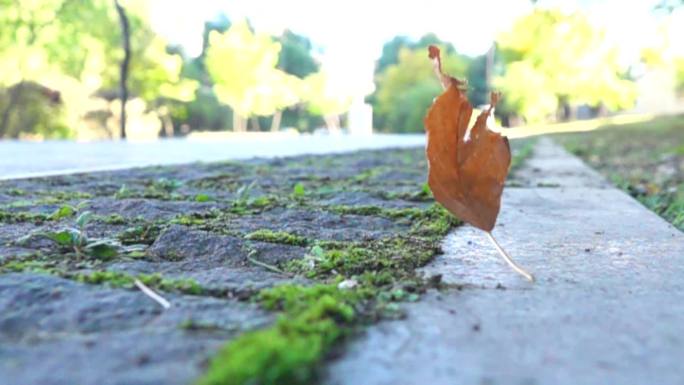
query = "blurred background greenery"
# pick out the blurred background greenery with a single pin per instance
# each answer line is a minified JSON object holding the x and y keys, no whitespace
{"x":65,"y":73}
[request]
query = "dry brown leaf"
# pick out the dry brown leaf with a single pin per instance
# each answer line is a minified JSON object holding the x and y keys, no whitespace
{"x":467,"y":168}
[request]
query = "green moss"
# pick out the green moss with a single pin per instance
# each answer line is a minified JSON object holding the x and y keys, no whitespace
{"x":144,"y":233}
{"x":20,"y":203}
{"x":356,"y":210}
{"x":202,"y":198}
{"x":266,"y":235}
{"x":194,"y":325}
{"x":32,"y":266}
{"x":394,"y":258}
{"x":156,"y":281}
{"x":64,"y":196}
{"x":218,"y":182}
{"x":45,"y":197}
{"x":15,"y":192}
{"x":161,"y":189}
{"x":435,"y":221}
{"x":165,"y":184}
{"x":112,"y":219}
{"x":109,"y":278}
{"x":422,"y":195}
{"x":215,"y":220}
{"x":194,"y":219}
{"x":22,"y":216}
{"x":312,"y":319}
{"x":366,"y":175}
{"x":298,"y":191}
{"x":259,"y":203}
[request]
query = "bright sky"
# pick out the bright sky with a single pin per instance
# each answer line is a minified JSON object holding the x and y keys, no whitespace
{"x":349,"y":35}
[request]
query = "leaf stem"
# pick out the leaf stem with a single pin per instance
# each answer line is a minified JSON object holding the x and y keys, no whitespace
{"x":267,"y":266}
{"x":508,"y":259}
{"x":150,"y":293}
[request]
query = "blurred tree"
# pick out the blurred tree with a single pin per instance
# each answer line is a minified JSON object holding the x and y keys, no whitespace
{"x":554,"y":61}
{"x":242,"y":65}
{"x":25,"y":31}
{"x":296,"y":59}
{"x":391,"y":49}
{"x":125,"y":63}
{"x":679,"y":73}
{"x":205,"y":111}
{"x":295,"y":55}
{"x":478,"y":88}
{"x":74,"y":48}
{"x":155,"y":72}
{"x":390,"y":52}
{"x":406,"y":89}
{"x":669,"y":5}
{"x":404,"y":77}
{"x":326,"y":98}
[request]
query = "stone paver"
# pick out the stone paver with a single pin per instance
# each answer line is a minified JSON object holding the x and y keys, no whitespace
{"x":608,"y":306}
{"x":57,"y":330}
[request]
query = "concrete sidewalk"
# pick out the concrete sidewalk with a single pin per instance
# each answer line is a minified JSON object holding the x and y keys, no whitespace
{"x":608,"y":306}
{"x":32,"y":159}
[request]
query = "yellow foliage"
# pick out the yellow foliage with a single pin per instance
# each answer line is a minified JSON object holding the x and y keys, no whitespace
{"x":243,"y":67}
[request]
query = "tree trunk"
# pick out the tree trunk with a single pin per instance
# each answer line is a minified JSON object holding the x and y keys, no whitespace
{"x":167,"y":122}
{"x":238,"y":123}
{"x":489,"y":66}
{"x":123,"y":81}
{"x":14,"y":94}
{"x":255,"y":124}
{"x":275,"y":123}
{"x":333,"y":123}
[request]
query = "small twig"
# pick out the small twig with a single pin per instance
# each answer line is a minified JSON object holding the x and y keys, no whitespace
{"x":267,"y":266}
{"x":147,"y":291}
{"x":509,"y":260}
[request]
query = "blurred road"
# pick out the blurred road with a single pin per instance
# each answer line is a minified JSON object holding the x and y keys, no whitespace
{"x":28,"y":159}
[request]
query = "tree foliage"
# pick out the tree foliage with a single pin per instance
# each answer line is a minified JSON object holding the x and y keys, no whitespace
{"x":679,"y":73}
{"x":326,"y":97}
{"x":59,"y":73}
{"x":406,"y":86}
{"x":295,"y":55}
{"x":552,"y":59}
{"x":73,"y":48}
{"x":242,"y":65}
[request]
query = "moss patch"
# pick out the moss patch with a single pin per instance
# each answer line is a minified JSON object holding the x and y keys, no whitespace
{"x":359,"y":283}
{"x":109,"y":278}
{"x":311,"y":320}
{"x":22,"y":216}
{"x":283,"y":237}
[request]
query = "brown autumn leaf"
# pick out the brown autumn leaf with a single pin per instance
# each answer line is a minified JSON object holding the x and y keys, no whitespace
{"x":467,"y":168}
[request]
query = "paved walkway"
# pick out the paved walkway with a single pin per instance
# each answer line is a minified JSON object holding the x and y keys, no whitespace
{"x":25,"y":159}
{"x":608,"y":307}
